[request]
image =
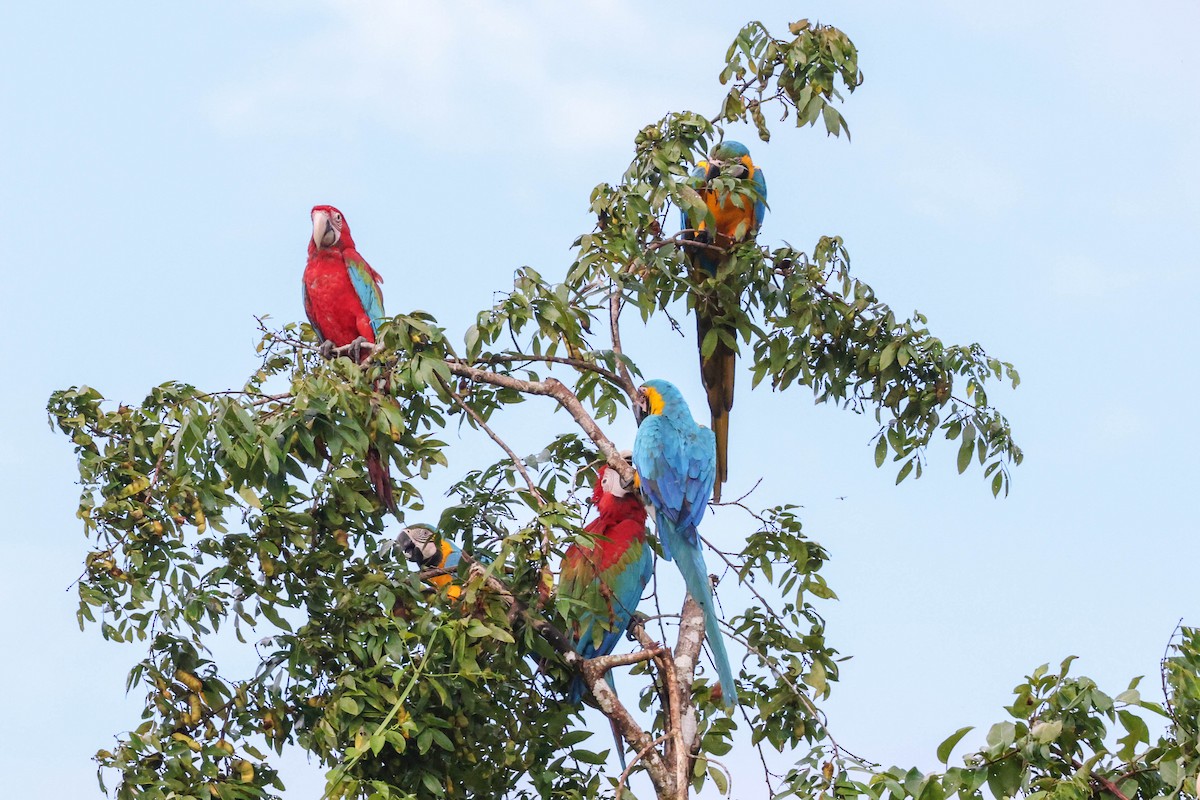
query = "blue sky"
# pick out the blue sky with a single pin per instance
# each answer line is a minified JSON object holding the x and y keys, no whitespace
{"x":1027,"y":177}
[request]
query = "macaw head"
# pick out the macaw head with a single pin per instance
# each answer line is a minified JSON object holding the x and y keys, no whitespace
{"x":732,"y":158}
{"x":420,"y":546}
{"x":609,"y":481}
{"x":330,"y":229}
{"x":656,"y":397}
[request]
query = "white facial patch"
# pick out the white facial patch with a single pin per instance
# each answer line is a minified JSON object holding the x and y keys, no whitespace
{"x":418,"y":545}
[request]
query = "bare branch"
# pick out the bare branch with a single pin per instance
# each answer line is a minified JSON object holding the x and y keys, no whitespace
{"x":614,"y":321}
{"x":577,"y":363}
{"x":602,"y":664}
{"x":606,"y":699}
{"x":516,"y":461}
{"x":552,"y":387}
{"x":633,"y":762}
{"x":687,"y":654}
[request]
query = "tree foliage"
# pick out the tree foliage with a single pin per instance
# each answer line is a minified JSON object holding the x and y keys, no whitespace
{"x":247,"y":514}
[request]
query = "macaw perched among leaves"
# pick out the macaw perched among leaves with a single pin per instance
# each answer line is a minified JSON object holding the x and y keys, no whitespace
{"x":676,"y":462}
{"x":344,"y":304}
{"x":612,"y":574}
{"x":428,"y":549}
{"x":731,"y":224}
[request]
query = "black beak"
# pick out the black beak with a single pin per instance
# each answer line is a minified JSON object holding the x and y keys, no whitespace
{"x":738,"y":171}
{"x":641,"y":407}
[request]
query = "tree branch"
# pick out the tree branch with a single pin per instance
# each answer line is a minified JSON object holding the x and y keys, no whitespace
{"x":633,"y":762}
{"x":614,"y":321}
{"x":687,"y":654}
{"x":552,"y":387}
{"x":516,"y":461}
{"x":609,"y":705}
{"x":577,"y":363}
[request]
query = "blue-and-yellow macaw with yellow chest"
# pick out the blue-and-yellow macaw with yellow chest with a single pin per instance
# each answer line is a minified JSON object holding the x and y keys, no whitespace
{"x":676,"y":463}
{"x":732,"y":217}
{"x":428,"y":549}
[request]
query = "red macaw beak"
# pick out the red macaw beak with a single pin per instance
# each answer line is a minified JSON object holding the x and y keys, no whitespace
{"x":324,"y":234}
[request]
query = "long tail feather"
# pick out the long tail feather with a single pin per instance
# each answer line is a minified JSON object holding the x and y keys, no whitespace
{"x":717,"y":374}
{"x":690,"y":560}
{"x":381,"y":481}
{"x":620,"y":744}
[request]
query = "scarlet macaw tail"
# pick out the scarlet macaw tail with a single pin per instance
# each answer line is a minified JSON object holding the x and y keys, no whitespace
{"x":690,"y":560}
{"x":381,"y":481}
{"x":717,"y":374}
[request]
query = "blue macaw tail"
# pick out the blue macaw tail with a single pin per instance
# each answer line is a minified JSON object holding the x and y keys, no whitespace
{"x":690,"y":560}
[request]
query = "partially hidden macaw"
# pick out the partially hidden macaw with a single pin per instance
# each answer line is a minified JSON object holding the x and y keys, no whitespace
{"x":428,"y":549}
{"x":344,"y":304}
{"x":730,"y":225}
{"x":676,"y":463}
{"x":611,"y":574}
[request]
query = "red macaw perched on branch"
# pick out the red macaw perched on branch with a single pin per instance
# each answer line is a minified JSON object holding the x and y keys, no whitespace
{"x":611,"y":574}
{"x":736,"y":218}
{"x":344,"y":303}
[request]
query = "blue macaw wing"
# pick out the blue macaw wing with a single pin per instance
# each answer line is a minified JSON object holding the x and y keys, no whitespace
{"x":760,"y":207}
{"x":702,"y":472}
{"x":677,"y":470}
{"x":367,"y":289}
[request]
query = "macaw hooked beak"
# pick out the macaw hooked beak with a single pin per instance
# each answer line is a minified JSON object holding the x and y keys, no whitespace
{"x":739,"y":171}
{"x":613,"y":483}
{"x":324,"y":234}
{"x":418,"y":546}
{"x":641,"y":406}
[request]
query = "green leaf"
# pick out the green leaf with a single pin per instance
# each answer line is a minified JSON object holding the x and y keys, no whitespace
{"x":946,"y":747}
{"x":718,"y":777}
{"x":250,"y":497}
{"x":1046,"y":732}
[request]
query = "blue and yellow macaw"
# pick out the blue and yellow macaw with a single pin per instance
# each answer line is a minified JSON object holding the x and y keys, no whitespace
{"x":730,"y":224}
{"x":611,"y":574}
{"x":676,"y":463}
{"x":428,"y":549}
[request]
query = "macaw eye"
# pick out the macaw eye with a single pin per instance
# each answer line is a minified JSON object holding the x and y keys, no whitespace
{"x":337,"y":218}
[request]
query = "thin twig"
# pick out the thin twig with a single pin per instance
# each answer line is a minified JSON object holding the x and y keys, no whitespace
{"x":614,"y":321}
{"x":1103,"y":781}
{"x":551,"y":387}
{"x":1162,"y":671}
{"x":516,"y":460}
{"x":633,"y":762}
{"x":577,"y":363}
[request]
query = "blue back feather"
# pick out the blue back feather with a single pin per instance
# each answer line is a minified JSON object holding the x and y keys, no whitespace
{"x":368,"y":291}
{"x":676,"y":461}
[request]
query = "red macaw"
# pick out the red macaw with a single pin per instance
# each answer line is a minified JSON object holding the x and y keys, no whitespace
{"x":611,"y":574}
{"x":731,"y":223}
{"x":344,"y":304}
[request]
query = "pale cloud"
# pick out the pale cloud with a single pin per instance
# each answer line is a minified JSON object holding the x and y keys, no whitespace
{"x":409,"y":67}
{"x":947,"y":179}
{"x":1082,"y":277}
